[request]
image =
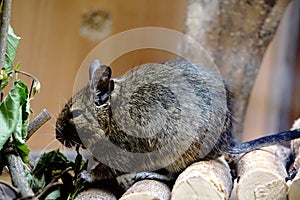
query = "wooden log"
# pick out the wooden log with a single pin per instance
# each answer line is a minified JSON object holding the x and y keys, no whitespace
{"x":296,"y":145}
{"x":147,"y":189}
{"x":37,"y":122}
{"x":236,"y":35}
{"x":94,"y":194}
{"x":204,"y":180}
{"x":294,"y":189}
{"x":262,"y":173}
{"x":233,"y":192}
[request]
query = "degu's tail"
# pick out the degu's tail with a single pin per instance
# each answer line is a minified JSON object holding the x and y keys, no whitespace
{"x":243,"y":147}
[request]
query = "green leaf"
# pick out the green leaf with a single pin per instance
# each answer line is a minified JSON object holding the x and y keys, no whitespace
{"x":50,"y":163}
{"x":18,"y":66}
{"x":80,"y":164}
{"x":34,"y":182}
{"x":11,"y":48}
{"x":3,"y":78}
{"x":11,"y":109}
{"x":23,"y":151}
{"x":53,"y":195}
{"x":3,"y":74}
{"x":54,"y":163}
{"x":20,"y":132}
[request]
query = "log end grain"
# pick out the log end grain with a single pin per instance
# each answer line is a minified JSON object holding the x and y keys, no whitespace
{"x":262,"y":174}
{"x":204,"y":180}
{"x":147,"y":189}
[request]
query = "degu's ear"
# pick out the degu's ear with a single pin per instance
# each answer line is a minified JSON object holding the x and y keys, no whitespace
{"x":100,"y":82}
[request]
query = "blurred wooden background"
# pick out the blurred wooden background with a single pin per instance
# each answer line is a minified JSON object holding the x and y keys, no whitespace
{"x":52,"y":49}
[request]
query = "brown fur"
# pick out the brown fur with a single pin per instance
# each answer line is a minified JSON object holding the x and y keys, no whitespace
{"x":165,"y":103}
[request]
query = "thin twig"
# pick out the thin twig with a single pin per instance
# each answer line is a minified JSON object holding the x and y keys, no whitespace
{"x":26,"y":74}
{"x":55,"y":178}
{"x":15,"y":190}
{"x":53,"y":183}
{"x":5,"y":19}
{"x":31,"y":88}
{"x":47,"y":188}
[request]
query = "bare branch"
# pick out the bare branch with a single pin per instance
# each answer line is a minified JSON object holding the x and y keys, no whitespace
{"x":5,"y":18}
{"x":235,"y":34}
{"x":16,"y":170}
{"x":15,"y":190}
{"x":40,"y":120}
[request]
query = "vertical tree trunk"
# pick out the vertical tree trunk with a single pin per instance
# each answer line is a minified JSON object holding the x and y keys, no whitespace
{"x":235,"y":34}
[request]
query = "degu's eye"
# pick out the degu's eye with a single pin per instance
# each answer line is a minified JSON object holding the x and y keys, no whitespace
{"x":76,"y":113}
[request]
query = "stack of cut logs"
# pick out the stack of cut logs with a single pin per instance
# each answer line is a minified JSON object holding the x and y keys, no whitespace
{"x":262,"y":174}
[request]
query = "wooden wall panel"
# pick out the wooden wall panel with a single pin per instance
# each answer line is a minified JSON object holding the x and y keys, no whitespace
{"x":52,"y":48}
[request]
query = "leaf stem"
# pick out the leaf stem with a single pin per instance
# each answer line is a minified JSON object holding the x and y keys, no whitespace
{"x":26,"y":74}
{"x":34,"y":79}
{"x":31,"y":88}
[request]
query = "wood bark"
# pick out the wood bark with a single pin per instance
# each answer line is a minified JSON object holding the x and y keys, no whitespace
{"x":5,"y":19}
{"x":15,"y":163}
{"x":147,"y":189}
{"x":16,"y":170}
{"x":37,"y":122}
{"x":204,"y":180}
{"x":262,"y":173}
{"x":235,"y":34}
{"x":294,"y":188}
{"x":94,"y":194}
